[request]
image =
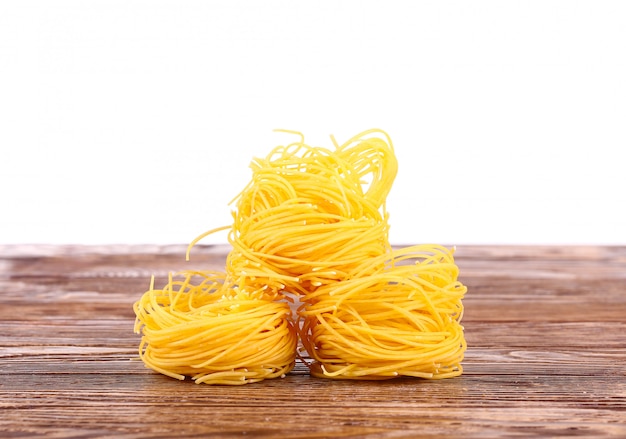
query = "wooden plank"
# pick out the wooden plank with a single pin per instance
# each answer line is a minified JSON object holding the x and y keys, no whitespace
{"x":546,"y":357}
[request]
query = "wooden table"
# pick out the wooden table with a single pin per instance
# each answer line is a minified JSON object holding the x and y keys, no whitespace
{"x":546,"y":329}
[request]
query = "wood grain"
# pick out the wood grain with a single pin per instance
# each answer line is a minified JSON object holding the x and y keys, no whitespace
{"x":545,"y":326}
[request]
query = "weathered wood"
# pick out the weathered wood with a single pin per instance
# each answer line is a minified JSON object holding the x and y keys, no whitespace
{"x":545,"y":328}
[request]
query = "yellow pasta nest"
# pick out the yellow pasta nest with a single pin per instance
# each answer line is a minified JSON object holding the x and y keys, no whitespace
{"x":214,"y":332}
{"x":311,"y":224}
{"x":399,"y":320}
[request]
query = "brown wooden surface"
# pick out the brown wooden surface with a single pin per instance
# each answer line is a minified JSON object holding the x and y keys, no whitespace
{"x":546,"y":329}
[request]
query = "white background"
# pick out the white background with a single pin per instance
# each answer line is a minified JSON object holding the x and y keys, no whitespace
{"x":135,"y":121}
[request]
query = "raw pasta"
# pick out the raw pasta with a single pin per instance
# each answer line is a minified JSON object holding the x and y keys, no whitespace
{"x":311,"y":225}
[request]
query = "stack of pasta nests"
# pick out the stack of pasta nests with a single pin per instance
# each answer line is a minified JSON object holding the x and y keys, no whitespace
{"x":311,"y":224}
